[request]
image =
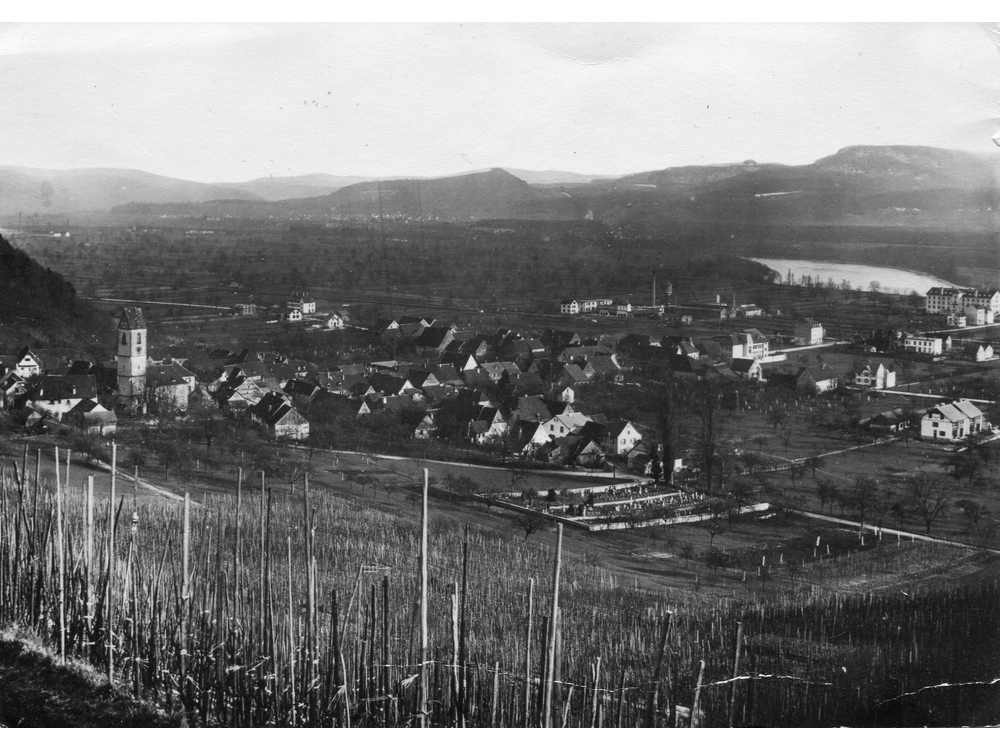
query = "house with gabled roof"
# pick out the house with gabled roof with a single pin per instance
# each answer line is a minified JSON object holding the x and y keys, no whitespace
{"x":556,"y":340}
{"x":169,"y":386}
{"x":572,"y":375}
{"x":580,"y":354}
{"x":527,"y":383}
{"x":276,"y":413}
{"x":25,"y":363}
{"x":953,"y":420}
{"x":984,"y":353}
{"x":91,"y":417}
{"x":56,"y":395}
{"x":531,"y":409}
{"x":621,"y":436}
{"x":461,"y":361}
{"x":424,"y":321}
{"x":435,"y":338}
{"x":817,"y":378}
{"x":601,"y":367}
{"x":477,"y":379}
{"x":239,"y":393}
{"x":335,"y":321}
{"x":301,"y":390}
{"x":447,"y":374}
{"x":389,"y":385}
{"x":748,"y":369}
{"x":487,"y":425}
{"x":565,"y":394}
{"x":426,"y":427}
{"x":420,"y":378}
{"x":876,"y":376}
{"x":12,"y":385}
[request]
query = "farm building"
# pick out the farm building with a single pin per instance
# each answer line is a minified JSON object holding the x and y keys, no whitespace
{"x":952,"y":421}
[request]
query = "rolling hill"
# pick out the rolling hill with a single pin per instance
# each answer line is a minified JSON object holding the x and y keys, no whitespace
{"x":860,"y":186}
{"x":50,"y":191}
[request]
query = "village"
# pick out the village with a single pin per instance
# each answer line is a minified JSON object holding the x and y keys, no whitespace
{"x":541,"y":399}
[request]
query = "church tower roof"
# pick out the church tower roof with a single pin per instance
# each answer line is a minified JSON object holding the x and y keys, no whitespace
{"x":131,"y":319}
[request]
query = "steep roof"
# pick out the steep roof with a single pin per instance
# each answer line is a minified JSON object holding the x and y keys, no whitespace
{"x":131,"y":319}
{"x":62,"y":387}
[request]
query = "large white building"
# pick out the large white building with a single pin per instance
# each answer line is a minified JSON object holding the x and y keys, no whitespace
{"x":577,"y":306}
{"x":952,"y":421}
{"x":942,"y":300}
{"x":927,"y":344}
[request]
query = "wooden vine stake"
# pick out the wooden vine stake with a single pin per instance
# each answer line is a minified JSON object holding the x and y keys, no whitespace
{"x":550,"y":666}
{"x":423,"y":606}
{"x":62,"y":561}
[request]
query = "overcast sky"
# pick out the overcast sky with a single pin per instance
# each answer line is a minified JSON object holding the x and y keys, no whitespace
{"x":235,"y":102}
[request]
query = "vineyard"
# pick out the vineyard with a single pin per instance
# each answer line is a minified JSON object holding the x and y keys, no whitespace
{"x":270,"y":607}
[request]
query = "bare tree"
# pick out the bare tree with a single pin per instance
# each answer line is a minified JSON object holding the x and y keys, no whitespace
{"x":529,"y":523}
{"x":777,"y":417}
{"x":814,"y":464}
{"x":827,"y":492}
{"x":796,"y":471}
{"x":926,"y":495}
{"x":864,"y":495}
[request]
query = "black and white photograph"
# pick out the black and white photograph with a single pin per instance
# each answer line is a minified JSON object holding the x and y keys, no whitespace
{"x":499,"y":374}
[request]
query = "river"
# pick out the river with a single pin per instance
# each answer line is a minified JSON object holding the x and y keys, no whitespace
{"x":892,"y":280}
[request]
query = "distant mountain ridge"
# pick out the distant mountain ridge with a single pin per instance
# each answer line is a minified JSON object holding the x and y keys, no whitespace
{"x":858,"y":185}
{"x":30,"y":190}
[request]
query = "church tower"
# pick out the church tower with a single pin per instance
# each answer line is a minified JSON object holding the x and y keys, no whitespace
{"x":131,"y":336}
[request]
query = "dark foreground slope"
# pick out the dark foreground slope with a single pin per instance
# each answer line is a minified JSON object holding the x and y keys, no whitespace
{"x":37,"y":691}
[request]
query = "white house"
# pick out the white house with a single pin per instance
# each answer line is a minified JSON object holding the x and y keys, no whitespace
{"x":978,"y":315}
{"x":808,"y":332}
{"x":334,"y":322}
{"x":925,"y":345}
{"x":293,"y":315}
{"x":952,"y":421}
{"x":304,"y":303}
{"x":569,"y":307}
{"x":877,"y":377}
{"x":622,"y":436}
{"x":984,"y":353}
{"x":24,"y":364}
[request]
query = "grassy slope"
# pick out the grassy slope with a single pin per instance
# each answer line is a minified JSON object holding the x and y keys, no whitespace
{"x":37,"y":691}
